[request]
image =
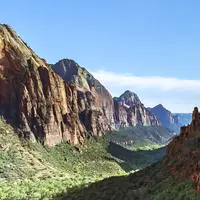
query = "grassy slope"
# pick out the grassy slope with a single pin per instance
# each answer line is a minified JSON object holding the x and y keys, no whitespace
{"x":142,"y":137}
{"x":135,"y":160}
{"x":30,"y":171}
{"x":155,"y":182}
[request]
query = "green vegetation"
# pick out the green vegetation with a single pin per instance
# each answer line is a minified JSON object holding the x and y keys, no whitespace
{"x":141,"y":137}
{"x":144,"y":146}
{"x":117,"y":188}
{"x":179,"y":191}
{"x":30,"y":171}
{"x":155,"y":182}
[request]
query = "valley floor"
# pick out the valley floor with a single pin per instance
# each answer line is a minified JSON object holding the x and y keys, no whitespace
{"x":30,"y":171}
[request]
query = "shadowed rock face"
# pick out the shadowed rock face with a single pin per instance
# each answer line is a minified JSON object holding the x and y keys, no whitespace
{"x":166,"y":118}
{"x":127,"y":110}
{"x":92,"y":95}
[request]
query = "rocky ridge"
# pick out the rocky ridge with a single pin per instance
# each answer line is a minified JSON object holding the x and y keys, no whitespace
{"x":127,"y":110}
{"x":51,"y":110}
{"x":33,"y":96}
{"x":187,"y":142}
{"x":134,"y":110}
{"x":167,"y":119}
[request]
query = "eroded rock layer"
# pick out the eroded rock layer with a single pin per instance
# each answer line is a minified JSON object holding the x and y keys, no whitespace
{"x":93,"y":97}
{"x":126,"y":110}
{"x":136,"y":113}
{"x":33,"y":96}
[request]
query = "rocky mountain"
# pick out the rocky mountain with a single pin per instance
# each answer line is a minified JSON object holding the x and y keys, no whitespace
{"x":33,"y":96}
{"x":127,"y":110}
{"x":136,"y":113}
{"x":37,"y":99}
{"x":92,"y":96}
{"x":128,"y":99}
{"x":51,"y":110}
{"x":167,"y":119}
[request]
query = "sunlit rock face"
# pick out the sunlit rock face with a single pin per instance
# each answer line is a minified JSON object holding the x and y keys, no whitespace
{"x":136,"y":113}
{"x":127,"y":110}
{"x":33,"y":96}
{"x":95,"y":104}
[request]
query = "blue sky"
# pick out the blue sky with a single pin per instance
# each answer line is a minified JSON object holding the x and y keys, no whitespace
{"x":153,"y":46}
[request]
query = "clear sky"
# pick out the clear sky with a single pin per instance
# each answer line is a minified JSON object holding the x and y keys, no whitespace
{"x":149,"y":47}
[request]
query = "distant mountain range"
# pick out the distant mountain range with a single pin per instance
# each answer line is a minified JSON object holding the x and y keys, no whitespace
{"x":172,"y":121}
{"x":184,"y":118}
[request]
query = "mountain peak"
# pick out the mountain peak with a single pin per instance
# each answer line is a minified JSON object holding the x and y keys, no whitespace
{"x":129,"y":98}
{"x":128,"y":92}
{"x":160,"y":106}
{"x":167,"y":119}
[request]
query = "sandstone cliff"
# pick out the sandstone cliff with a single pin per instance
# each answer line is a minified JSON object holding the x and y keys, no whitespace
{"x":92,"y":95}
{"x":127,"y":110}
{"x":136,"y":113}
{"x":52,"y":110}
{"x":185,"y":132}
{"x":33,"y":96}
{"x":184,"y":150}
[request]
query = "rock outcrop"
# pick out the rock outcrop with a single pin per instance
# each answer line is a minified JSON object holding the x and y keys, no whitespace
{"x":52,"y":109}
{"x":185,"y":150}
{"x":167,"y":119}
{"x":133,"y":111}
{"x":93,"y":98}
{"x":127,"y":110}
{"x":33,"y":96}
{"x":185,"y":132}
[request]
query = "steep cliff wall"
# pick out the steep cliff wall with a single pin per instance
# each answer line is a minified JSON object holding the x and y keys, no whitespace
{"x":136,"y":113}
{"x":54,"y":109}
{"x":126,"y":110}
{"x":33,"y":96}
{"x":92,"y":95}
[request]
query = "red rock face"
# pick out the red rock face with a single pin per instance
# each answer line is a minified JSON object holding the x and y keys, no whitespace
{"x":92,"y":95}
{"x":127,"y":110}
{"x":42,"y":104}
{"x":33,"y":96}
{"x":185,"y":133}
{"x":185,"y":150}
{"x":130,"y":111}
